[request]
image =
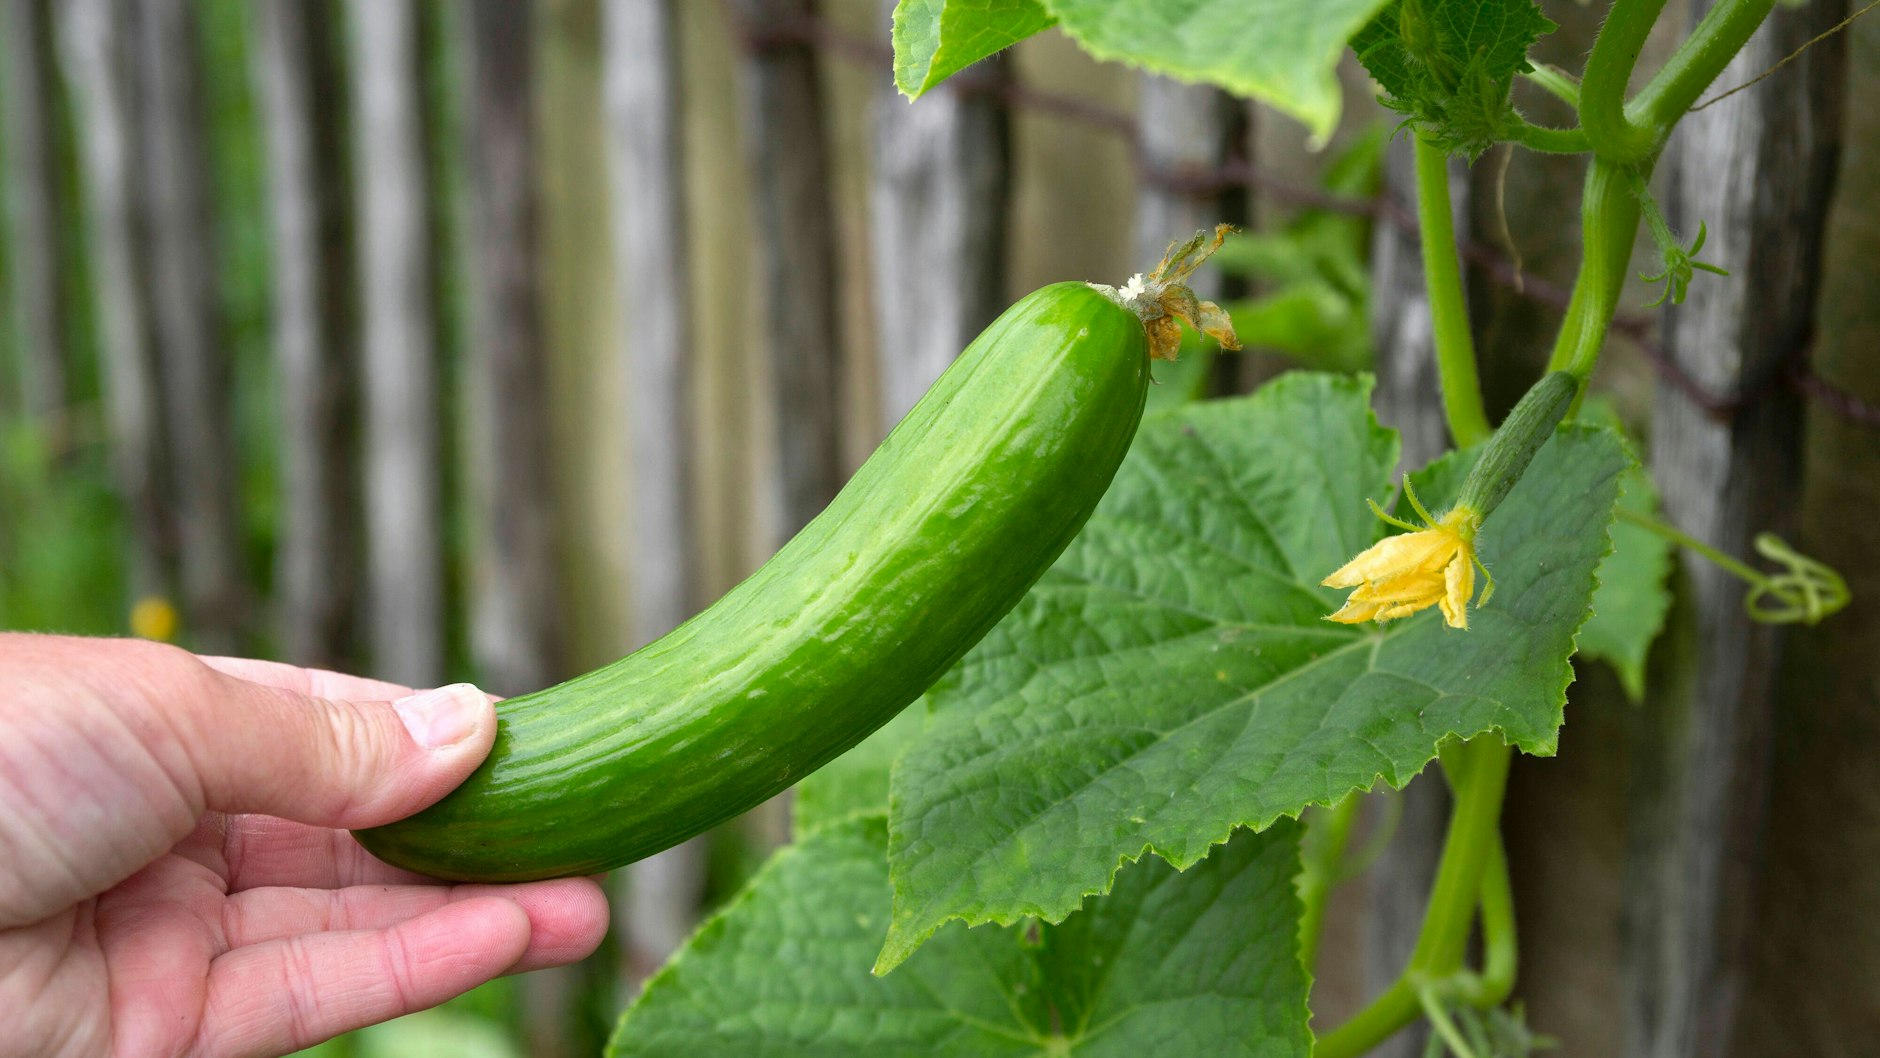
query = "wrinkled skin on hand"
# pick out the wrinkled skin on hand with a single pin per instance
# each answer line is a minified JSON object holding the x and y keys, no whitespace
{"x":176,"y":876}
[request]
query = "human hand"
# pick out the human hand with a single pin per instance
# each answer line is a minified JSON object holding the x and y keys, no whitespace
{"x":175,"y":873}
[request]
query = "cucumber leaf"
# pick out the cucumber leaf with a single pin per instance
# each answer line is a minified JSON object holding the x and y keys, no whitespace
{"x":1448,"y":65}
{"x":1201,"y":962}
{"x":1278,"y":51}
{"x":1172,"y":677}
{"x":1633,"y":595}
{"x":1281,"y":52}
{"x":935,"y":39}
{"x":856,"y":782}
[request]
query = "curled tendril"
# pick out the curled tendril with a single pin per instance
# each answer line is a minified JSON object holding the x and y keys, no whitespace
{"x":1805,"y":592}
{"x":1680,"y":264}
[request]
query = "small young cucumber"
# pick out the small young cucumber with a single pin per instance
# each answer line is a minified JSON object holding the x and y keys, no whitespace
{"x":935,"y":538}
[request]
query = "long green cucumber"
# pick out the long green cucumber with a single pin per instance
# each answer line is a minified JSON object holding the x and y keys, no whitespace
{"x":935,"y":538}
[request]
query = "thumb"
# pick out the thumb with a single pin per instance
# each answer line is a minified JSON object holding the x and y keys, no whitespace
{"x":333,"y":762}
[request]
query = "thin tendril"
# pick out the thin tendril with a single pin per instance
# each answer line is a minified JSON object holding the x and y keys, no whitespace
{"x":1786,"y":59}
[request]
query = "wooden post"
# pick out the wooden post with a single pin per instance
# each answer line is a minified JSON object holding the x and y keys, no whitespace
{"x":297,"y":69}
{"x":403,"y":469}
{"x":1756,"y":168}
{"x":95,"y":53}
{"x":1183,"y":128}
{"x":32,"y":205}
{"x":642,"y":88}
{"x":514,"y":623}
{"x":659,"y":901}
{"x":937,"y":220}
{"x":193,"y":363}
{"x":1817,"y":941}
{"x":796,"y":250}
{"x":1409,"y":399}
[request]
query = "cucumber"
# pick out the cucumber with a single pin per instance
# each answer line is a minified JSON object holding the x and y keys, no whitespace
{"x":936,"y":537}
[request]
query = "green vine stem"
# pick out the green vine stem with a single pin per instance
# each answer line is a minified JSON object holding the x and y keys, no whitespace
{"x":1478,"y":771}
{"x":1557,"y":82}
{"x":1449,"y":313}
{"x":1609,"y":215}
{"x":1697,"y":62}
{"x":1500,"y":950}
{"x":1321,"y":869}
{"x":1805,"y":592}
{"x":1608,"y":70}
{"x":1393,"y":1008}
{"x":1544,"y":138}
{"x":1479,"y":777}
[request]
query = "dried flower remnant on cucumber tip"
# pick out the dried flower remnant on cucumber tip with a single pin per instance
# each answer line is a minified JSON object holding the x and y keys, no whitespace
{"x":1162,"y":297}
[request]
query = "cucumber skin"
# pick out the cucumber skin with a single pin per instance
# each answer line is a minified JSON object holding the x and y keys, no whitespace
{"x":940,"y":533}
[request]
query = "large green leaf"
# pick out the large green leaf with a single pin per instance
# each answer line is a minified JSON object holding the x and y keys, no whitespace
{"x":1282,"y":52}
{"x":935,"y":39}
{"x":1449,"y":64}
{"x":1202,"y":962}
{"x":1172,"y":677}
{"x":1633,"y":597}
{"x":1279,"y":51}
{"x":857,"y":781}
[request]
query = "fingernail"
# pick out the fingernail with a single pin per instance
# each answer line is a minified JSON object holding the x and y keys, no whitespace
{"x":442,"y":717}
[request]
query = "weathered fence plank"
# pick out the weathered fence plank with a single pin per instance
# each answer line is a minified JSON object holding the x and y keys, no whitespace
{"x":95,"y":54}
{"x":796,"y":250}
{"x":1756,"y":169}
{"x":515,"y":621}
{"x":193,"y":362}
{"x":403,"y":468}
{"x":1183,"y":130}
{"x":640,"y":61}
{"x":297,"y":67}
{"x":515,"y":627}
{"x":1817,"y":943}
{"x":33,"y":260}
{"x":939,"y":184}
{"x":642,"y":89}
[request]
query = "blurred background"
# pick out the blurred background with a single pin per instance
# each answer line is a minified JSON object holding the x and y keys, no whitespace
{"x":488,"y":340}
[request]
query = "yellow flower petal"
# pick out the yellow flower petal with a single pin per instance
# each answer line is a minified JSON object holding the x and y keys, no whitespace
{"x":1354,"y":612}
{"x":1416,"y":586}
{"x":1459,"y":588}
{"x":1428,"y":551}
{"x":1401,"y":575}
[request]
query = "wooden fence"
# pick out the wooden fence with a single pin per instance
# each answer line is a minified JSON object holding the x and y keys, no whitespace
{"x":575,"y":308}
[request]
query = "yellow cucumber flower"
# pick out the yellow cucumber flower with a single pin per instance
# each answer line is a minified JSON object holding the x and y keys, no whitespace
{"x":1431,"y":565}
{"x":154,"y":617}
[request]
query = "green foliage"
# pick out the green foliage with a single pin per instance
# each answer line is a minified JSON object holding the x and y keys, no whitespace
{"x":935,"y":39}
{"x":1316,"y":304}
{"x":1199,"y":962}
{"x":1172,"y":677}
{"x":856,"y":782}
{"x":1278,"y":51}
{"x":62,"y":565}
{"x":1633,"y":596}
{"x":1634,"y":593}
{"x":1448,"y":65}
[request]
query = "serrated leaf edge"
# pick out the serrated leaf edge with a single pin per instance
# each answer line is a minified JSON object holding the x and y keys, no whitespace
{"x":716,"y":920}
{"x":899,"y":946}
